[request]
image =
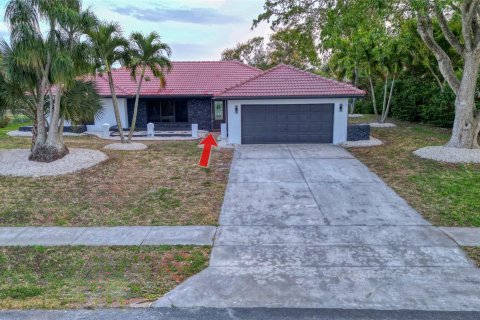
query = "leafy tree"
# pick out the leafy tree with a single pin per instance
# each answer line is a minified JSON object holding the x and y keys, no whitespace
{"x":109,"y":47}
{"x":147,"y":53}
{"x":295,"y":47}
{"x":466,"y":126}
{"x":252,"y":52}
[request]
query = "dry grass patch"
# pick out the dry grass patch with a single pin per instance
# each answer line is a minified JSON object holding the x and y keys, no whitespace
{"x":81,"y":277}
{"x":474,"y":254}
{"x":162,"y":185}
{"x":446,"y":194}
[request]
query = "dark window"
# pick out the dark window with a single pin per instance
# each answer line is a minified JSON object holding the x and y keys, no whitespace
{"x":167,"y":111}
{"x":181,"y":111}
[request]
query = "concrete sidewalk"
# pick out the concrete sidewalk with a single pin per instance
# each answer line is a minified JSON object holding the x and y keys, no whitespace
{"x":107,"y":236}
{"x":309,"y":226}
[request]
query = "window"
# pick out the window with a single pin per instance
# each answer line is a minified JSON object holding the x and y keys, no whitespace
{"x":218,"y":109}
{"x":167,"y":111}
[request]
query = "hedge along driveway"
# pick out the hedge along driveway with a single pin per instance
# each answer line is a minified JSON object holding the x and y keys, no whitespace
{"x":445,"y":194}
{"x":162,"y":185}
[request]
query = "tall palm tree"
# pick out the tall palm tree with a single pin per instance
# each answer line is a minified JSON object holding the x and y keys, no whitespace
{"x":147,"y":53}
{"x":45,"y":63}
{"x":109,"y":47}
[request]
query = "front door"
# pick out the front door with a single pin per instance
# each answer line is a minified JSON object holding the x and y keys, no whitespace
{"x":218,"y":114}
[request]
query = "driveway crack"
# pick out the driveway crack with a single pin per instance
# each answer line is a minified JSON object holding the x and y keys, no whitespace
{"x":327,"y":222}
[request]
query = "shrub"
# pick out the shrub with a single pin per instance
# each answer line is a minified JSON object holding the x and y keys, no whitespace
{"x":417,"y":100}
{"x":440,"y":110}
{"x":5,"y":121}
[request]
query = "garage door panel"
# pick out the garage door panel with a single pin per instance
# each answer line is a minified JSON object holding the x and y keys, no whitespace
{"x":299,"y":123}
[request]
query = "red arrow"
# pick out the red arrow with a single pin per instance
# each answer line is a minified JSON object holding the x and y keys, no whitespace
{"x":208,"y":143}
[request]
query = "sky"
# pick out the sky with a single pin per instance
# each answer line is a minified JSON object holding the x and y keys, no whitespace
{"x":194,"y":29}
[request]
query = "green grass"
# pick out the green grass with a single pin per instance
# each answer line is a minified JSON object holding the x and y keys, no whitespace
{"x":7,"y":142}
{"x":446,"y":194}
{"x":81,"y":277}
{"x":162,"y":185}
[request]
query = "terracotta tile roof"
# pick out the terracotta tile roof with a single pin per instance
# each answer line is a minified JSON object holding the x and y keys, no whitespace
{"x":186,"y":78}
{"x":287,"y":81}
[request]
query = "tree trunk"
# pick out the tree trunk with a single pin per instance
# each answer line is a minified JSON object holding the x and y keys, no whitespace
{"x":34,"y":133}
{"x":115,"y":106}
{"x":41,"y":134}
{"x":389,"y":103}
{"x":384,"y":104}
{"x":374,"y":101}
{"x":135,"y":109}
{"x":54,"y":148}
{"x":465,"y":126}
{"x":354,"y":100}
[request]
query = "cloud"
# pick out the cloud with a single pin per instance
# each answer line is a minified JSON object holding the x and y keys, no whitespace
{"x":186,"y":51}
{"x":186,"y":15}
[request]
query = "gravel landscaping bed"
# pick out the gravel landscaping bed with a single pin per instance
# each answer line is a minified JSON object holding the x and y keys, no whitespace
{"x":362,"y":143}
{"x":382,"y":125}
{"x":29,"y":134}
{"x":355,"y":115}
{"x":126,"y":146}
{"x":15,"y":163}
{"x":450,"y":155}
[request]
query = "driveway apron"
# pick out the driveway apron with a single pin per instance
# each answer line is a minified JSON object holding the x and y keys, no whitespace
{"x":309,"y":226}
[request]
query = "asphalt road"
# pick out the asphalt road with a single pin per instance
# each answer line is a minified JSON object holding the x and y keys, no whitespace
{"x":235,"y":314}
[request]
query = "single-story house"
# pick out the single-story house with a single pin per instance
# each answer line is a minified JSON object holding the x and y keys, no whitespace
{"x":280,"y":105}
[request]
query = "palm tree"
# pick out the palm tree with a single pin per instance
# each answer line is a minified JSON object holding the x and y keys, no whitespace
{"x":45,"y":63}
{"x":147,"y":52}
{"x":109,"y":47}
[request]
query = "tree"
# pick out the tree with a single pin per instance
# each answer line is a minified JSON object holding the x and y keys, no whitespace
{"x":252,"y":52}
{"x":44,"y":62}
{"x":466,"y":126}
{"x":147,"y":53}
{"x":109,"y":47}
{"x":293,"y":46}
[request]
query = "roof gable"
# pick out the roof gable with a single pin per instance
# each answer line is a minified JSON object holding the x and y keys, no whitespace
{"x":287,"y":81}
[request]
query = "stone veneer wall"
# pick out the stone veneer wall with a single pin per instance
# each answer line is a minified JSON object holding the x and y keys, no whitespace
{"x":200,"y":111}
{"x":357,"y":132}
{"x":141,"y":122}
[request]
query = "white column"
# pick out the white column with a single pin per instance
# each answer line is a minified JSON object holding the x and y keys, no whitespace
{"x":223,"y":131}
{"x":194,"y":130}
{"x":150,"y":129}
{"x":106,"y":130}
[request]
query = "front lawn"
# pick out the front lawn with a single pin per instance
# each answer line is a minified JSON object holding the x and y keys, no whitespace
{"x":83,"y":277}
{"x":162,"y":185}
{"x":446,"y":194}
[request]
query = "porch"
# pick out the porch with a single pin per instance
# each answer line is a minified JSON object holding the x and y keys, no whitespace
{"x":175,"y":114}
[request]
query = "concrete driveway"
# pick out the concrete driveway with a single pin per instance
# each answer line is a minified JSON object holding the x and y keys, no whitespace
{"x":309,"y":226}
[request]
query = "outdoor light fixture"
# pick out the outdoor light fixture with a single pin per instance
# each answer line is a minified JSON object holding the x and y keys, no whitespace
{"x":341,"y":107}
{"x":236,"y":109}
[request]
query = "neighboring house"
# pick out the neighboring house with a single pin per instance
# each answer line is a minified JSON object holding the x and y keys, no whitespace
{"x":280,"y":105}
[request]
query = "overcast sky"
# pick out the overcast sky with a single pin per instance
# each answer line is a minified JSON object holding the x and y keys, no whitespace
{"x":195,"y":29}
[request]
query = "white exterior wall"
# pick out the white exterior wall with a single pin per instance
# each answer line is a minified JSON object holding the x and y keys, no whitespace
{"x":340,"y":120}
{"x":108,"y":115}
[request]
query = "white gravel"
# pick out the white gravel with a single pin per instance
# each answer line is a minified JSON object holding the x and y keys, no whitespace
{"x":451,"y":155}
{"x":134,"y":146}
{"x":355,"y":115}
{"x":382,"y":125}
{"x":362,"y":143}
{"x":15,"y":163}
{"x":29,"y":134}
